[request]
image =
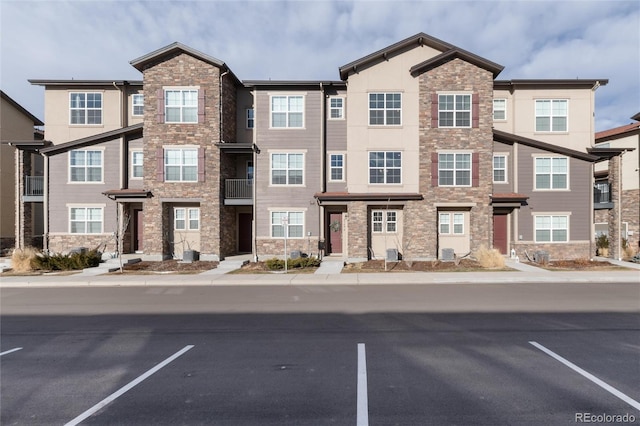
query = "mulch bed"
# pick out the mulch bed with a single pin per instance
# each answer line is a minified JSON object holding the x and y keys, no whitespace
{"x":167,"y":266}
{"x":465,"y":265}
{"x":578,"y":265}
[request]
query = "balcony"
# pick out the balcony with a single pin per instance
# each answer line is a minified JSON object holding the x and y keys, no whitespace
{"x":238,"y":192}
{"x":602,"y":196}
{"x":33,"y":189}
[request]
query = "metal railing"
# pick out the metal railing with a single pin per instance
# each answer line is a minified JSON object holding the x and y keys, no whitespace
{"x":602,"y":193}
{"x":238,"y":188}
{"x":34,"y":185}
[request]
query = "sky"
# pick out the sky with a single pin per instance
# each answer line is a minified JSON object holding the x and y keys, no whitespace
{"x":310,"y":40}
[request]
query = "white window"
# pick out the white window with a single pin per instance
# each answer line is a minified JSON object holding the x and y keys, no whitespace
{"x":499,"y":109}
{"x":85,"y":108}
{"x":384,"y":221}
{"x":181,"y":164}
{"x":336,"y":167}
{"x":454,"y":110}
{"x":251,"y":120}
{"x":385,"y":109}
{"x":552,"y":228}
{"x":551,"y":115}
{"x":552,"y":173}
{"x":186,"y":218}
{"x":287,"y":169}
{"x":85,"y":220}
{"x":454,"y":169}
{"x":445,"y":221}
{"x":287,"y":111}
{"x":499,"y":168}
{"x":385,"y":167}
{"x":290,"y":222}
{"x":181,"y":106}
{"x":137,"y":101}
{"x":85,"y":165}
{"x":336,"y":108}
{"x":137,"y":170}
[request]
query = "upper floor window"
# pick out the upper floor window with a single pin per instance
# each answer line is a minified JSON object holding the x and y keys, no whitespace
{"x":551,"y":115}
{"x":336,"y":108}
{"x":85,"y":108}
{"x":85,"y":220}
{"x":499,"y":168}
{"x":385,"y":109}
{"x":551,"y":172}
{"x":454,"y":169}
{"x":552,"y":228}
{"x":287,"y":223}
{"x":137,"y":170}
{"x":287,"y":111}
{"x":287,"y":169}
{"x":454,"y":110}
{"x":186,"y":218}
{"x":137,"y":101}
{"x":499,"y":109}
{"x":85,"y":165}
{"x":384,"y":221}
{"x":181,"y":106}
{"x":385,"y":167}
{"x":336,"y":166}
{"x":251,"y":120}
{"x":181,"y":164}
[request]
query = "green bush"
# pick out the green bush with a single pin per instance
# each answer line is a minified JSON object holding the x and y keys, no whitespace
{"x":68,"y":262}
{"x":602,"y":241}
{"x":299,"y":263}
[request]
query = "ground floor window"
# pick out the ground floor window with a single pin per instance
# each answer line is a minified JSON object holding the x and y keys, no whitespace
{"x":291,"y":222}
{"x":451,"y":223}
{"x":384,"y":221}
{"x":186,"y":218}
{"x":552,"y":228}
{"x":85,"y":220}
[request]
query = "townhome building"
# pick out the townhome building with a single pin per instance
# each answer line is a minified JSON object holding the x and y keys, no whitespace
{"x":416,"y":151}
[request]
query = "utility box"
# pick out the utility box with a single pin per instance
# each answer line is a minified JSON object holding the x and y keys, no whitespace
{"x":392,"y":255}
{"x":448,"y":254}
{"x":541,"y":256}
{"x":295,"y":254}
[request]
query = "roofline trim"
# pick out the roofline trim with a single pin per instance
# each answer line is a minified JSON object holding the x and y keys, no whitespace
{"x":94,"y":139}
{"x":501,"y":136}
{"x":16,"y":105}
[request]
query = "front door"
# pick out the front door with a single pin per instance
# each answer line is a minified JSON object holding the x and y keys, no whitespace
{"x":335,"y":233}
{"x":500,"y":233}
{"x":244,"y":232}
{"x":138,"y":220}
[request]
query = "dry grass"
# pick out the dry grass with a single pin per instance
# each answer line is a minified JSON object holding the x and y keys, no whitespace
{"x":489,"y":258}
{"x":628,"y":252}
{"x":22,"y":259}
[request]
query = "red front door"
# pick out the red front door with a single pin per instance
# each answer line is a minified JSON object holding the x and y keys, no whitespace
{"x":500,"y":232}
{"x":335,"y":233}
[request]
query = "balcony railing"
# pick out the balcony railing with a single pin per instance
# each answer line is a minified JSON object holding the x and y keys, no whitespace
{"x":238,"y":189}
{"x":602,"y":193}
{"x":34,"y":186}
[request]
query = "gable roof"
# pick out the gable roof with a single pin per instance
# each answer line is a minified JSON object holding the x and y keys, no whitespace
{"x":447,"y":56}
{"x":36,"y":121}
{"x":94,"y":139}
{"x":49,"y":82}
{"x":618,"y":132}
{"x":420,"y":39}
{"x":510,"y":138}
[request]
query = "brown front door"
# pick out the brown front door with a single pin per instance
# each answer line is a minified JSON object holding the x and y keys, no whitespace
{"x":500,"y":232}
{"x":335,"y":233}
{"x":138,"y":218}
{"x":244,"y":232}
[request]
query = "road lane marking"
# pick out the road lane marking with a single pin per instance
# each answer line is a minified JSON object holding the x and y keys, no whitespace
{"x":362,"y":416}
{"x":10,"y":351}
{"x":126,"y":388}
{"x":635,"y":404}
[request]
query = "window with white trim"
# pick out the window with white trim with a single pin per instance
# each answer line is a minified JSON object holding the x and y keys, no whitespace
{"x":250,"y":116}
{"x":454,"y":169}
{"x":291,"y":222}
{"x":181,"y":164}
{"x":445,"y":221}
{"x":336,"y":108}
{"x":137,"y":102}
{"x":384,"y":221}
{"x":551,"y":228}
{"x":85,"y":165}
{"x":287,"y":111}
{"x":287,"y":169}
{"x":137,"y":170}
{"x":499,"y":168}
{"x":336,"y":167}
{"x":385,"y":109}
{"x":499,"y":109}
{"x":552,"y":173}
{"x":85,"y":108}
{"x":181,"y":105}
{"x":186,"y":218}
{"x":454,"y":111}
{"x":551,"y":115}
{"x":85,"y":220}
{"x":385,"y":167}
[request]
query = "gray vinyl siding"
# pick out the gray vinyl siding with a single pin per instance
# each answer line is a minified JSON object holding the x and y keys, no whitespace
{"x":501,"y":188}
{"x":288,"y":140}
{"x":576,"y":201}
{"x":134,"y":145}
{"x":62,"y":193}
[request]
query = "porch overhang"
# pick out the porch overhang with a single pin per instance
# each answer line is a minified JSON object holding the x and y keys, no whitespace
{"x":332,"y":197}
{"x":510,"y":199}
{"x":238,"y":147}
{"x":127,"y":195}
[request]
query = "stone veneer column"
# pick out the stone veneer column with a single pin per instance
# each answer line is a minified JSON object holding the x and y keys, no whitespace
{"x":615,"y":216}
{"x":357,"y":217}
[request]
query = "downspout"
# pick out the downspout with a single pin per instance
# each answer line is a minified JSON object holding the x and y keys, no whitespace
{"x":323,"y":157}
{"x":221,"y":116}
{"x":255,"y":151}
{"x":19,"y":219}
{"x":45,"y":205}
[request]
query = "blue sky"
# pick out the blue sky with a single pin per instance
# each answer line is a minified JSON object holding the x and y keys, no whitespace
{"x":310,"y":40}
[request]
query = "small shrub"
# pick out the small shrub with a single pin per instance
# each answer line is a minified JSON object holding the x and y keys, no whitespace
{"x":68,"y":262}
{"x":274,"y":264}
{"x":602,"y":241}
{"x":489,"y":258}
{"x":22,"y":260}
{"x":299,"y":263}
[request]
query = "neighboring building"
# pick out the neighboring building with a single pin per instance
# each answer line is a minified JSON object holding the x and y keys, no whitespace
{"x":617,"y":186}
{"x":17,"y":129}
{"x":417,"y":151}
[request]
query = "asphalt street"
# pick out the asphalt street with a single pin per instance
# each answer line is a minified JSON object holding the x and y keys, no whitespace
{"x":321,"y":355}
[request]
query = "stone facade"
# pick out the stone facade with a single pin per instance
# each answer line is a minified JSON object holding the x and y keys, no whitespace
{"x":62,"y":243}
{"x":357,"y":230}
{"x":579,"y":250}
{"x":631,"y":215}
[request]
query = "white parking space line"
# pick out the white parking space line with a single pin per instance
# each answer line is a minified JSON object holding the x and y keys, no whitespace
{"x":10,"y":351}
{"x":362,"y":416}
{"x":635,"y":404}
{"x":126,"y":388}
